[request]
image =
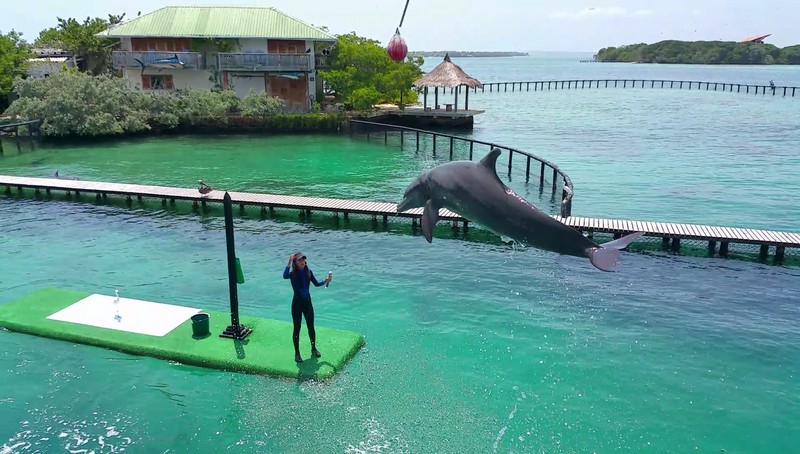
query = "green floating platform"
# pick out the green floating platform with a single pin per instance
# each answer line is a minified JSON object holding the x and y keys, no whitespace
{"x":267,"y":350}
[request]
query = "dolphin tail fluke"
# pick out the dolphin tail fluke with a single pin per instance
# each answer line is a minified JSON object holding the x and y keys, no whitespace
{"x":141,"y":63}
{"x":605,"y":256}
{"x":604,"y":259}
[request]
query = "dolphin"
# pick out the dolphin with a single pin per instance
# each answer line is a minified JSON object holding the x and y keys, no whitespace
{"x":474,"y":191}
{"x":63,"y":177}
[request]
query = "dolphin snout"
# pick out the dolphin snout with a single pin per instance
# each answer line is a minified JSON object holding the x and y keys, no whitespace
{"x":414,"y":197}
{"x":404,"y":205}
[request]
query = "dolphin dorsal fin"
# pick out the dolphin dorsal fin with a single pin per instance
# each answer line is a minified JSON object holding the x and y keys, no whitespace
{"x":490,"y":161}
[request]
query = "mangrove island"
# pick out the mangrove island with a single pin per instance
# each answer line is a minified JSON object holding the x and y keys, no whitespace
{"x":702,"y":53}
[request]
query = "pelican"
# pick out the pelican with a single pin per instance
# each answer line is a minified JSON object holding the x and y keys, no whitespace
{"x":204,"y":188}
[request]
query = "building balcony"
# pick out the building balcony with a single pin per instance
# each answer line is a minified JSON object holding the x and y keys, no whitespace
{"x":154,"y":59}
{"x":264,"y":62}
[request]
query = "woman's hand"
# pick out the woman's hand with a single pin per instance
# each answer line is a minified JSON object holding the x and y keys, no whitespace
{"x":291,"y":259}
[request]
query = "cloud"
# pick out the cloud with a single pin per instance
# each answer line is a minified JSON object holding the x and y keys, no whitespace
{"x":602,"y":12}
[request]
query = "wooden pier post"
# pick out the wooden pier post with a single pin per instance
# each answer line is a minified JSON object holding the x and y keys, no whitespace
{"x":779,"y":254}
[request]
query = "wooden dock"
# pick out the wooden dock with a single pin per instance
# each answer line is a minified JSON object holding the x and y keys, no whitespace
{"x":670,"y":234}
{"x":417,"y":117}
{"x":541,"y":85}
{"x":12,"y":127}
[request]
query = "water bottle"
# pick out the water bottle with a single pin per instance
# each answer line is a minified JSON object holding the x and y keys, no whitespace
{"x":330,"y":274}
{"x":117,"y":317}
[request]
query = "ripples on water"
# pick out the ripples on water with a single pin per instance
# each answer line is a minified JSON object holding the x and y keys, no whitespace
{"x":471,"y":346}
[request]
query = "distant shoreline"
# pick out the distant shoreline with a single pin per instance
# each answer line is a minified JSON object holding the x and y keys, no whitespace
{"x":461,"y":53}
{"x":701,"y":53}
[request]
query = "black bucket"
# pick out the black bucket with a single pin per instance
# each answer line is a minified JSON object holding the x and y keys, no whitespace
{"x":200,"y":325}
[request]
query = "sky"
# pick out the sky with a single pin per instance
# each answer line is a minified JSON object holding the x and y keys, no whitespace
{"x":497,"y":25}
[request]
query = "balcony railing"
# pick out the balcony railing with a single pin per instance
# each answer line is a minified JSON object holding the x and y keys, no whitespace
{"x":127,"y":59}
{"x":264,"y":62}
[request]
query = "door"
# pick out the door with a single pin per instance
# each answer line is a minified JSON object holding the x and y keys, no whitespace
{"x":243,"y":83}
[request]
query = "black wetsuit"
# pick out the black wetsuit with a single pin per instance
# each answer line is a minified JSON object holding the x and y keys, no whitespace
{"x":301,"y":304}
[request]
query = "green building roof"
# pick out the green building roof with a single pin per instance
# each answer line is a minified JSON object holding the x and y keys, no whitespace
{"x":217,"y":22}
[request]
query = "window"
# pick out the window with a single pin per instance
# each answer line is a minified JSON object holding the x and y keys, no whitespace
{"x":158,"y":82}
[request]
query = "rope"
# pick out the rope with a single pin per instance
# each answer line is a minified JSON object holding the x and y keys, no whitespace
{"x":404,"y":16}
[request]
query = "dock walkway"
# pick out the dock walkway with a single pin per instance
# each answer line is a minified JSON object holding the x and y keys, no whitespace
{"x":671,"y":234}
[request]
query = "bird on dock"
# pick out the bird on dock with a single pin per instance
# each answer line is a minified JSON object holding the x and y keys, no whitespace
{"x":204,"y":188}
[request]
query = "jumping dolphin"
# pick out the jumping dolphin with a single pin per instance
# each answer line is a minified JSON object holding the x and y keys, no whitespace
{"x":474,"y":191}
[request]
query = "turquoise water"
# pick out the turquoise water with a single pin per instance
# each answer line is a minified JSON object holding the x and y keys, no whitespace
{"x":685,"y":156}
{"x":472,"y":346}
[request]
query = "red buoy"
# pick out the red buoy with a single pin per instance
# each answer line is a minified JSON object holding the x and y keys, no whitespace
{"x":397,"y":48}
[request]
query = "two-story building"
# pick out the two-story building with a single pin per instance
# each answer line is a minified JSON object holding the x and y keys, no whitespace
{"x":237,"y":48}
{"x":47,"y":61}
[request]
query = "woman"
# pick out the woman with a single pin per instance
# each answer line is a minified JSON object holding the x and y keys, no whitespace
{"x":301,"y":276}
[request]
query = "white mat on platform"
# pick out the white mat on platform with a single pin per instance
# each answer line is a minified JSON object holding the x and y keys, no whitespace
{"x":135,"y":316}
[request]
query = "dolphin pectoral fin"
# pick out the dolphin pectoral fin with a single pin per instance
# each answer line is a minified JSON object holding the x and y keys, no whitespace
{"x":606,"y":256}
{"x":622,"y":243}
{"x":430,"y":216}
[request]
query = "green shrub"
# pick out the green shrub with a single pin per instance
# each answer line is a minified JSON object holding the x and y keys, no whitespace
{"x":261,"y":105}
{"x":72,"y":103}
{"x":364,"y":98}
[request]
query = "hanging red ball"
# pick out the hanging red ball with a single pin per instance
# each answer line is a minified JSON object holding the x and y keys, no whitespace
{"x":397,"y":48}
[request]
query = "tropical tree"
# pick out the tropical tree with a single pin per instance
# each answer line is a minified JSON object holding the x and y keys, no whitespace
{"x":361,"y":74}
{"x":14,"y":54}
{"x":81,"y":40}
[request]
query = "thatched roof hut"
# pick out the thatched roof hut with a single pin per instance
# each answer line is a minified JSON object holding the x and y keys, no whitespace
{"x":447,"y":74}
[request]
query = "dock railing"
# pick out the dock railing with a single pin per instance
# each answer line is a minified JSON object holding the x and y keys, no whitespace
{"x":545,"y":167}
{"x":571,"y":84}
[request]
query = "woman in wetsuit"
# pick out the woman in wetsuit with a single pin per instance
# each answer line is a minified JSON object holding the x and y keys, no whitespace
{"x":301,"y":277}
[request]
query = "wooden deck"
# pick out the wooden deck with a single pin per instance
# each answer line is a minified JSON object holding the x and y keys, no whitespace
{"x":671,"y":234}
{"x":430,"y":118}
{"x":429,"y":112}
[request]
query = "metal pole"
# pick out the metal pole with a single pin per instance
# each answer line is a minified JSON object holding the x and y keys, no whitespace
{"x":235,"y":330}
